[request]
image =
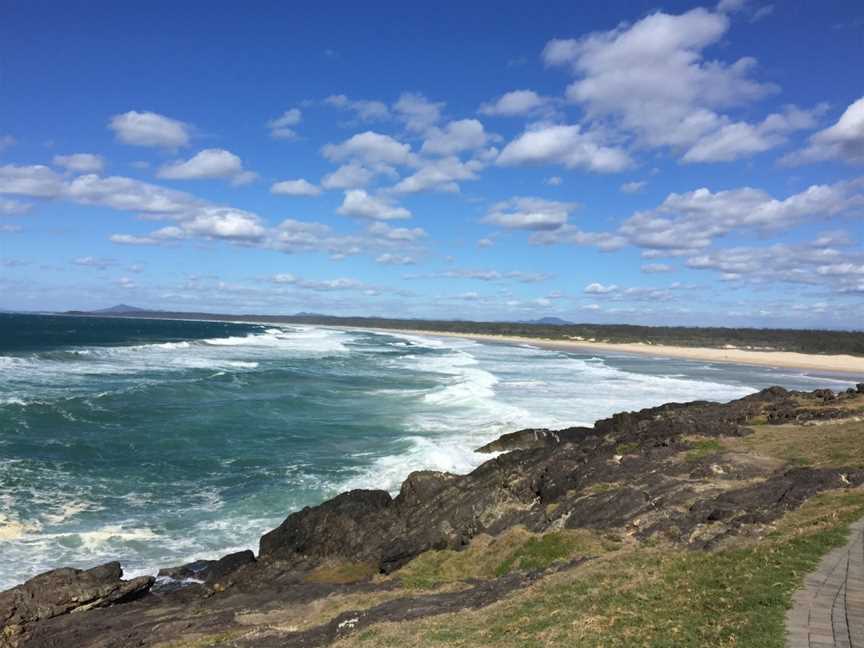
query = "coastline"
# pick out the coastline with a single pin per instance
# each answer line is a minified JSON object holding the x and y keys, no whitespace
{"x":841,"y":364}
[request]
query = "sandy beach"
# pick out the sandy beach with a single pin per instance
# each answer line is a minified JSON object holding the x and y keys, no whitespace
{"x":845,"y":364}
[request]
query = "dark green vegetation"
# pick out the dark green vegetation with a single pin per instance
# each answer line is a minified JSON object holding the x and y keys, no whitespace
{"x":802,"y":341}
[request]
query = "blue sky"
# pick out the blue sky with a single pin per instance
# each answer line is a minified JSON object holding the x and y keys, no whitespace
{"x":630,"y":162}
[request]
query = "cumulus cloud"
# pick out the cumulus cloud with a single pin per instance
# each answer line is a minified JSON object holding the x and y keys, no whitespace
{"x":360,"y":204}
{"x":485,"y":275}
{"x":842,"y":141}
{"x":299,"y":187}
{"x":633,"y":187}
{"x":150,"y":129}
{"x":566,"y":145}
{"x":455,"y":137}
{"x":529,"y":213}
{"x":572,"y":235}
{"x":442,"y":174}
{"x":208,"y":164}
{"x":80,"y":162}
{"x":342,"y":283}
{"x":515,"y":103}
{"x":395,"y":259}
{"x":370,"y":148}
{"x":94,"y":262}
{"x":831,"y":262}
{"x":655,"y":268}
{"x":401,"y":234}
{"x":599,"y":289}
{"x":417,"y":112}
{"x":553,"y":181}
{"x":37,"y":181}
{"x":651,"y":80}
{"x":365,"y":110}
{"x":282,"y":126}
{"x":694,"y":219}
{"x":351,"y":176}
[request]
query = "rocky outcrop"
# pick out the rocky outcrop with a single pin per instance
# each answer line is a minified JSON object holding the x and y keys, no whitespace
{"x":637,"y":474}
{"x":62,"y":591}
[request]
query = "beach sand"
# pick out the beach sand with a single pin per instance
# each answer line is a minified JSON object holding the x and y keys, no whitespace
{"x":845,"y":364}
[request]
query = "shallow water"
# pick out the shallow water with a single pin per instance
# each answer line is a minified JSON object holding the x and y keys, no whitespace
{"x":154,"y":442}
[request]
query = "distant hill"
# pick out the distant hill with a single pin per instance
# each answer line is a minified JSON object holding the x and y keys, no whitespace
{"x":549,"y":321}
{"x":119,"y":309}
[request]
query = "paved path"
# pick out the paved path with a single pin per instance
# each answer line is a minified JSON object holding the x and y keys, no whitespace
{"x":829,"y":611}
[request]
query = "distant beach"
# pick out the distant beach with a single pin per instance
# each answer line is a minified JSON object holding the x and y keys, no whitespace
{"x":839,"y":363}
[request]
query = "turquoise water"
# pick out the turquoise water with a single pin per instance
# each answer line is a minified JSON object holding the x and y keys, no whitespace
{"x":156,"y":442}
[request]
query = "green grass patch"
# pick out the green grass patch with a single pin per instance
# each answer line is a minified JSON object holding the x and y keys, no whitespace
{"x":703,"y":448}
{"x":631,"y":447}
{"x":661,"y":597}
{"x":488,"y":557}
{"x":538,"y":553}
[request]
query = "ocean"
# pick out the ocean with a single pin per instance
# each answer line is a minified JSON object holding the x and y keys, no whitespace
{"x":155,"y":442}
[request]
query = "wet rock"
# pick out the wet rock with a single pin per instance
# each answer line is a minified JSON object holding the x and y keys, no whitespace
{"x":534,"y":438}
{"x":209,"y":571}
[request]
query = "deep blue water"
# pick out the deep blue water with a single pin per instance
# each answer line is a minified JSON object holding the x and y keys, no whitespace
{"x":154,"y":442}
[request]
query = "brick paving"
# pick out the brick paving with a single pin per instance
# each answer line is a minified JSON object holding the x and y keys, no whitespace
{"x":829,"y":611}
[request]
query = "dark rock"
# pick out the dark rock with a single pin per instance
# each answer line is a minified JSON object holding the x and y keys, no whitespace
{"x":65,"y":590}
{"x":209,"y":571}
{"x":860,"y":388}
{"x":534,"y":438}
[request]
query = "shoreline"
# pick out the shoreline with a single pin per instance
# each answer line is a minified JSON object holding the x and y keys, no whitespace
{"x":840,"y":364}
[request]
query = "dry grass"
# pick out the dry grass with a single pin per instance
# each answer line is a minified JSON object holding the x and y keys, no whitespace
{"x":832,"y":445}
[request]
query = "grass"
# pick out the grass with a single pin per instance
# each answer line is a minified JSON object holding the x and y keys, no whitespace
{"x":488,"y":557}
{"x":703,"y":448}
{"x":631,"y":447}
{"x":821,"y":446}
{"x":342,"y":572}
{"x":653,"y":597}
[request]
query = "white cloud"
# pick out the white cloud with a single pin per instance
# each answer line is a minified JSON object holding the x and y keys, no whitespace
{"x":565,"y":145}
{"x":553,"y":181}
{"x":417,"y":112}
{"x":599,"y":289}
{"x":529,"y":213}
{"x":127,"y":194}
{"x":740,"y":139}
{"x":341,"y":283}
{"x":485,"y":243}
{"x":455,"y":137}
{"x":394,"y":259}
{"x":149,"y":129}
{"x":442,"y":174}
{"x":571,"y":235}
{"x":94,"y":262}
{"x":365,"y":110}
{"x":831,"y":263}
{"x":515,"y":103}
{"x":692,"y":220}
{"x":651,"y":80}
{"x":349,"y":176}
{"x":281,"y":126}
{"x":842,"y":141}
{"x":209,"y":163}
{"x":370,"y":148}
{"x":80,"y":162}
{"x":35,"y":180}
{"x":299,"y":187}
{"x":390,"y":233}
{"x":360,"y":204}
{"x":6,"y":141}
{"x":633,"y":187}
{"x":655,"y":268}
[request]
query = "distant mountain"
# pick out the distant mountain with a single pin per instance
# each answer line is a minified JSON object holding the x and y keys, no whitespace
{"x":119,"y":309}
{"x":549,"y":321}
